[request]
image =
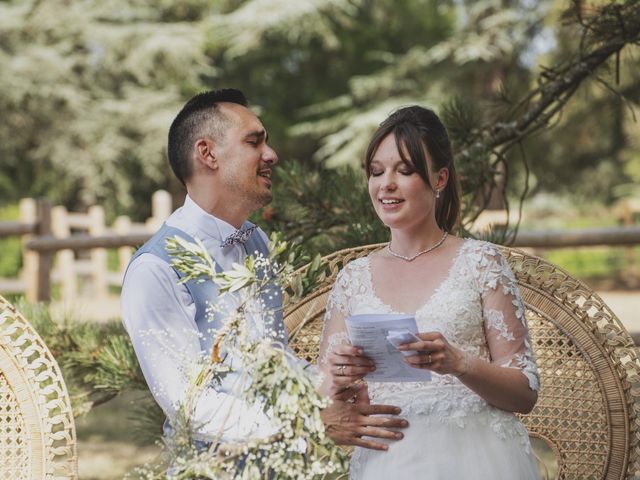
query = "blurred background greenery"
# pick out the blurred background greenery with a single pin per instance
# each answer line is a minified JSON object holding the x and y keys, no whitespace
{"x":88,"y":90}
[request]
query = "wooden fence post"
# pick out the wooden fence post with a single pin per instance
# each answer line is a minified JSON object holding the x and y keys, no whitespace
{"x":626,"y":213}
{"x":65,"y":259}
{"x":98,"y":255}
{"x":45,"y":259}
{"x":161,"y":206}
{"x":122,"y":226}
{"x":29,"y":272}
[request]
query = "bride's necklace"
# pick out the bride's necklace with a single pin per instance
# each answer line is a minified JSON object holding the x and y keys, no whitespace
{"x":421,"y":252}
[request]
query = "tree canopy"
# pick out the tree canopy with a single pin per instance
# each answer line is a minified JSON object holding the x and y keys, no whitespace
{"x":538,"y":96}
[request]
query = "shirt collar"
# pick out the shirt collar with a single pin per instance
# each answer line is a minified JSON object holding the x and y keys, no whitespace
{"x":204,"y":222}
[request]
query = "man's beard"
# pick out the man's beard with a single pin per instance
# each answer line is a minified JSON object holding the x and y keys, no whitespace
{"x":259,"y":199}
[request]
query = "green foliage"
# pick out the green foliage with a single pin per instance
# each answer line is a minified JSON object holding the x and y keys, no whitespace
{"x":88,"y":92}
{"x":585,"y":153}
{"x":306,"y":281}
{"x":595,"y":265}
{"x":97,"y":359}
{"x":304,"y":53}
{"x":11,"y":247}
{"x":459,"y":60}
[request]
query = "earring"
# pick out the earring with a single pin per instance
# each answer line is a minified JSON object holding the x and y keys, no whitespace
{"x":437,"y":193}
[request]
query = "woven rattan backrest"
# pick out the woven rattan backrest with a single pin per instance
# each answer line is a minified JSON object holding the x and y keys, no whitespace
{"x":37,"y":431}
{"x":587,"y":411}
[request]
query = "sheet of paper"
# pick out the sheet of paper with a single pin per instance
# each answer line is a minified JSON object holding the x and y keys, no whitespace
{"x":369,"y":332}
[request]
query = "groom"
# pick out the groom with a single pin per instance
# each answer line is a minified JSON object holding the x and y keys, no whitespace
{"x":218,"y":149}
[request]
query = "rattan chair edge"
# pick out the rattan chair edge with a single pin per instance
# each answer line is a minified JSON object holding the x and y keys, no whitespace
{"x":43,"y":414}
{"x":608,"y":333}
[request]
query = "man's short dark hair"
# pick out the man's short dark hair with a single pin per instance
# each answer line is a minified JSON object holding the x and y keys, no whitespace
{"x":200,"y":116}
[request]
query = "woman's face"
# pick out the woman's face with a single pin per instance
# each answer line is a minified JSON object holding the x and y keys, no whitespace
{"x":399,"y":195}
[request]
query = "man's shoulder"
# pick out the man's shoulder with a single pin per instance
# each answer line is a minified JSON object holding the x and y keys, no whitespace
{"x":156,"y":245}
{"x":147,"y":266}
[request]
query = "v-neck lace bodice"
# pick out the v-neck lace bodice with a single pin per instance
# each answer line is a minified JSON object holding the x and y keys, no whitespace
{"x":367,"y":278}
{"x":477,"y":307}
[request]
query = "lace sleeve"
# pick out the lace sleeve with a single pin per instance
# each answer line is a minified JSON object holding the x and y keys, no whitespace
{"x":504,"y":320}
{"x":334,"y":331}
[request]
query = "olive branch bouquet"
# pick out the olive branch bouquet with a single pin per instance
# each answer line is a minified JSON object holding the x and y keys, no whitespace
{"x":272,"y":378}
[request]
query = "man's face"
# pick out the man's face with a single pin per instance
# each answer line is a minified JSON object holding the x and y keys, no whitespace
{"x":244,"y":158}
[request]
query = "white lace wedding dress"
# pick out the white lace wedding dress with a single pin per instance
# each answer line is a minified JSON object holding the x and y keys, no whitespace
{"x":453,"y":432}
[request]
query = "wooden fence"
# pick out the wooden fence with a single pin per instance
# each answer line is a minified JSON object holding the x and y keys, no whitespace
{"x":77,"y":242}
{"x":69,"y":248}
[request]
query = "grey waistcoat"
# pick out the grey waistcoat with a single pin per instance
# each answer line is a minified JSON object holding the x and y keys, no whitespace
{"x":204,"y":293}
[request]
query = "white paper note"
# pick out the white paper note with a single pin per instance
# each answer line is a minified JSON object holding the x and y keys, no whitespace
{"x":369,"y":332}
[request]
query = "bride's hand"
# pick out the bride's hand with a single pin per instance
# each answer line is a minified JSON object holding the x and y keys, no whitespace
{"x":435,"y":353}
{"x":347,"y":365}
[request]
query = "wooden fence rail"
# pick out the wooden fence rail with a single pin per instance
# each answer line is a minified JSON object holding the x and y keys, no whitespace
{"x":9,"y":229}
{"x":553,"y":239}
{"x":579,"y":238}
{"x":49,"y":243}
{"x":50,"y":233}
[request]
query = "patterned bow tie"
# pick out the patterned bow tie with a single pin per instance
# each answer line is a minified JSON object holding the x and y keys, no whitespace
{"x":239,"y":236}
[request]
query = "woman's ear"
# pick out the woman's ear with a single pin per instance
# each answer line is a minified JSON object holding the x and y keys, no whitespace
{"x":442,"y":179}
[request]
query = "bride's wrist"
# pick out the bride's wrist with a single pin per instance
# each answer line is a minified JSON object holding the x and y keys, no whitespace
{"x":465,"y":364}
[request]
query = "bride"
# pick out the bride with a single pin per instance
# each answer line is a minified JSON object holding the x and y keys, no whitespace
{"x":466,"y":302}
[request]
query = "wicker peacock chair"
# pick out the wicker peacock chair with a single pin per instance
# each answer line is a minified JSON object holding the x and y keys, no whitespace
{"x":37,"y":431}
{"x":588,"y":410}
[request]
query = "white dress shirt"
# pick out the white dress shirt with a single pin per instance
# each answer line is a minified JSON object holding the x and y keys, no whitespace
{"x":159,"y":315}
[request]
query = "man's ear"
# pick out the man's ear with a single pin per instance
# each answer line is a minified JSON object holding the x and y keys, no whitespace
{"x":205,"y":155}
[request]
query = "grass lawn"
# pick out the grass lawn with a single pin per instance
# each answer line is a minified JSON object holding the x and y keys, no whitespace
{"x":108,"y":446}
{"x":602,"y":268}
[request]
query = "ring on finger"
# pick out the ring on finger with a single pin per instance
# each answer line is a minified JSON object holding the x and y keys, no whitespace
{"x":429,"y":359}
{"x":341,"y":370}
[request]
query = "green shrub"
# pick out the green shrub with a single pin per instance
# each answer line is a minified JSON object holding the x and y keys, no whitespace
{"x":595,"y":263}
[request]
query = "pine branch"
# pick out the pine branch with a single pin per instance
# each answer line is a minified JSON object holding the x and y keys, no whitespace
{"x":97,"y":359}
{"x":562,"y":83}
{"x":605,"y":33}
